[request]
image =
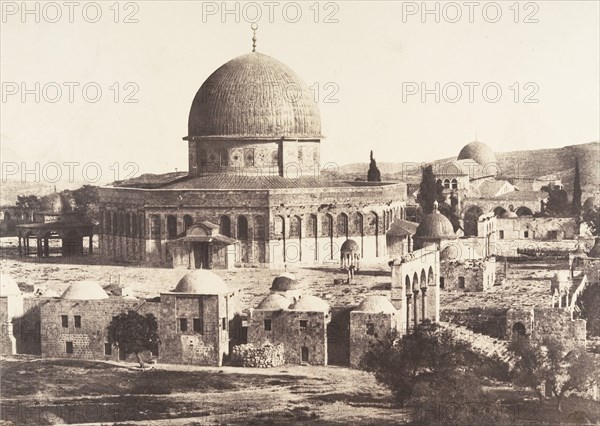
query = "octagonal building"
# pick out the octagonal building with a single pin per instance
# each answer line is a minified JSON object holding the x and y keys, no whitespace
{"x":254,"y":193}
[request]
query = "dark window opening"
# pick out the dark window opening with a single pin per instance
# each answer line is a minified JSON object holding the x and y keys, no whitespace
{"x":442,"y":283}
{"x":267,"y":325}
{"x":107,"y":349}
{"x":65,"y":321}
{"x":501,"y":234}
{"x":303,"y":324}
{"x":183,"y":324}
{"x":197,"y":325}
{"x":77,"y":321}
{"x":370,"y":329}
{"x":69,"y":347}
{"x":526,"y":234}
{"x":224,"y":323}
{"x":461,"y":282}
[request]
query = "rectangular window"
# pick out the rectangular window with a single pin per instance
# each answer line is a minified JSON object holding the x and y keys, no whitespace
{"x":183,"y":324}
{"x":303,"y":324}
{"x":501,"y":234}
{"x":107,"y":349}
{"x":77,"y":321}
{"x":370,"y":329}
{"x":224,"y":158}
{"x":65,"y":321}
{"x":224,"y":323}
{"x":526,"y":234}
{"x":461,"y":282}
{"x":267,"y":325}
{"x":198,"y":326}
{"x":69,"y":347}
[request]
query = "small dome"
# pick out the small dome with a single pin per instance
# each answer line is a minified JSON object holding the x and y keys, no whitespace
{"x":509,"y":215}
{"x":349,"y":246}
{"x":376,"y":304}
{"x":55,"y":203}
{"x":284,"y":282}
{"x":435,"y":226}
{"x":8,"y":286}
{"x":590,"y":203}
{"x":85,"y":290}
{"x":273,"y":302}
{"x":310,"y":303}
{"x":201,"y":281}
{"x":450,"y":252}
{"x":562,"y":276}
{"x":595,"y":251}
{"x":479,"y":152}
{"x":48,"y":292}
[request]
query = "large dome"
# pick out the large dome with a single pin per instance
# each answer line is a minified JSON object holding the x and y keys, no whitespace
{"x":479,"y":152}
{"x":85,"y":290}
{"x":254,"y":96}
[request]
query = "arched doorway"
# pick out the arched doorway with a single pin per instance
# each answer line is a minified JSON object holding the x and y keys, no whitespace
{"x":524,"y":211}
{"x":519,"y":331}
{"x":498,"y":211}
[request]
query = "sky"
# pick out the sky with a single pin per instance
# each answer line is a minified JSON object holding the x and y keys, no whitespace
{"x":518,"y":85}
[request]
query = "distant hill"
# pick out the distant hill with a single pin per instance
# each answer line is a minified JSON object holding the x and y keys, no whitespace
{"x":537,"y":163}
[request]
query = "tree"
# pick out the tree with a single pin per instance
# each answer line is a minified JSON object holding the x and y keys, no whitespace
{"x":28,"y":202}
{"x":133,"y":333}
{"x":591,"y":217}
{"x":86,"y":201}
{"x":373,"y":175}
{"x":427,"y":355}
{"x":589,"y":304}
{"x":427,"y":190}
{"x":558,"y":201}
{"x":546,"y":363}
{"x":577,"y":190}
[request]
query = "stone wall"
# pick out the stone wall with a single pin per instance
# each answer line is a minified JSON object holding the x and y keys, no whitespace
{"x":541,"y":228}
{"x":474,"y":275}
{"x":265,"y":356}
{"x":487,"y":321}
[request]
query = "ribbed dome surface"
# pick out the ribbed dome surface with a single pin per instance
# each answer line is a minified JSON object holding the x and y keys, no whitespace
{"x":349,"y":246}
{"x":310,"y":303}
{"x":435,"y":226}
{"x":85,"y":290}
{"x":479,"y":152}
{"x":201,"y":281}
{"x":376,"y":304}
{"x":273,"y":302}
{"x":8,"y":286}
{"x":285,"y":282}
{"x":251,"y":96}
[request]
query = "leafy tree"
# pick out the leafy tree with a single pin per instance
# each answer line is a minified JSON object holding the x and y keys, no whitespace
{"x":373,"y":175}
{"x":86,"y":201}
{"x":429,"y":354}
{"x":558,"y":201}
{"x":589,"y":305}
{"x":133,"y":333}
{"x":28,"y":202}
{"x":546,"y":363}
{"x":577,"y":190}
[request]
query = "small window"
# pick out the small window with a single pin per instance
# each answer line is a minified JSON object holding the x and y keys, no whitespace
{"x":442,"y":283}
{"x":77,"y":321}
{"x":154,"y":352}
{"x":267,"y":325}
{"x":65,"y":321}
{"x":183,"y":324}
{"x":461,"y":282}
{"x":197,"y":325}
{"x":370,"y":329}
{"x":107,"y":349}
{"x":303,"y":324}
{"x":526,"y":234}
{"x":69,"y":347}
{"x":224,"y":323}
{"x":501,"y":234}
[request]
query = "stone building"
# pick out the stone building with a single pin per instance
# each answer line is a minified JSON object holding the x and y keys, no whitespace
{"x":300,"y":325}
{"x":466,"y":275}
{"x":198,"y":320}
{"x":370,"y":321}
{"x":254,"y":171}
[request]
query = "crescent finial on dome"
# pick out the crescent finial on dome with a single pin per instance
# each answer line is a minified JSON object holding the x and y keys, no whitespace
{"x":254,"y":27}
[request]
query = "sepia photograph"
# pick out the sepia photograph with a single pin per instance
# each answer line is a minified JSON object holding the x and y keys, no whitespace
{"x":300,"y":212}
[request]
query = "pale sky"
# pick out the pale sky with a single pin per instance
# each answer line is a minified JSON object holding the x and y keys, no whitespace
{"x":369,"y":55}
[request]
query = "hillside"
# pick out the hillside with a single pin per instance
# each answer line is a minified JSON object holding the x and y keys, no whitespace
{"x":530,"y":163}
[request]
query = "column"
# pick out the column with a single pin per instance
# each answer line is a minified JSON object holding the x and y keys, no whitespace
{"x":424,"y":304}
{"x":91,"y":244}
{"x":416,"y":307}
{"x":408,"y":296}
